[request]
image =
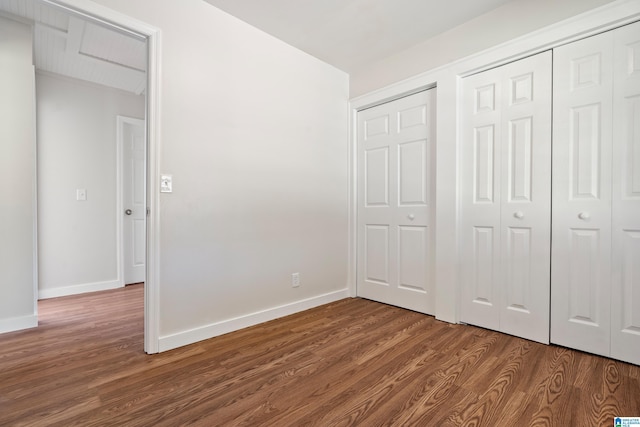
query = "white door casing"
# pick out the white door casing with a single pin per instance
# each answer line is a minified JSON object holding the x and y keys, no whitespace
{"x":152,"y":92}
{"x":396,"y":143}
{"x":505,"y":198}
{"x":625,"y":233}
{"x":131,"y":134}
{"x":581,"y":217}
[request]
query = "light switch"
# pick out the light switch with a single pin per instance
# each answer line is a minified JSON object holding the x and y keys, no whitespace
{"x":166,"y":184}
{"x":81,"y":194}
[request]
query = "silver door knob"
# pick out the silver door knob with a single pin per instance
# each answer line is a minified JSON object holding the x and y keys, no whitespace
{"x":128,"y":212}
{"x":584,"y":215}
{"x":411,"y":217}
{"x":518,"y":215}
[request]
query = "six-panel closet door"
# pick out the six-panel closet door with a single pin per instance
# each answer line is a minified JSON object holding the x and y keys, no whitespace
{"x":505,"y":198}
{"x":596,"y":195}
{"x":396,"y":146}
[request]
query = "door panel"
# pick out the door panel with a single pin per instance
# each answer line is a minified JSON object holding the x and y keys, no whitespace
{"x":377,"y":177}
{"x":519,"y":160}
{"x":395,"y":184}
{"x":483,"y":158}
{"x":585,"y":145}
{"x":412,"y":251}
{"x":584,"y":268}
{"x":377,"y":254}
{"x":625,"y":315}
{"x":505,"y":224}
{"x":413,"y":160}
{"x":518,"y":263}
{"x":483,"y":291}
{"x":581,"y":217}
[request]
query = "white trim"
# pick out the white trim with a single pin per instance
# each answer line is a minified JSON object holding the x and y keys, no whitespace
{"x":119,"y":202}
{"x":152,"y":284}
{"x":352,"y":208}
{"x":180,"y":339}
{"x":34,"y":196}
{"x":109,"y":17}
{"x":64,"y":291}
{"x":446,"y":78}
{"x":18,"y":323}
{"x":137,"y":28}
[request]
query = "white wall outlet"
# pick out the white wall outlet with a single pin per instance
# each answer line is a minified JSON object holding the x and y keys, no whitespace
{"x":295,"y":280}
{"x":81,"y":194}
{"x":166,"y":183}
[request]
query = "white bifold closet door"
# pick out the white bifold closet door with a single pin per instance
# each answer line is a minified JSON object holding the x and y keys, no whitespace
{"x":596,"y":195}
{"x":625,"y":297}
{"x":395,"y":202}
{"x":506,"y":198}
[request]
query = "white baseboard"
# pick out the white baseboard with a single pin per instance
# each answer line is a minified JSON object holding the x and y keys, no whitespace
{"x":191,"y":336}
{"x":18,"y":323}
{"x":78,"y":289}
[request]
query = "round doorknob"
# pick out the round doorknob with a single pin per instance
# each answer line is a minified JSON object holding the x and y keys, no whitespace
{"x":518,"y":215}
{"x":584,"y":215}
{"x":411,"y":217}
{"x":128,"y":211}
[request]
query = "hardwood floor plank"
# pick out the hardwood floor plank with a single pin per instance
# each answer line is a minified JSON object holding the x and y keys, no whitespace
{"x":349,"y":363}
{"x":492,"y":401}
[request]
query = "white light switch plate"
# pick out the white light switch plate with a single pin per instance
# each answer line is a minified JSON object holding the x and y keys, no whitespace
{"x":166,"y":184}
{"x":81,"y":194}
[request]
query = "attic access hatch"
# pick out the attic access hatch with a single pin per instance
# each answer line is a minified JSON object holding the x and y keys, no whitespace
{"x":68,"y":44}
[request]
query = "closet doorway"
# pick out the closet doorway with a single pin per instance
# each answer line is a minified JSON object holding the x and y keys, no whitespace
{"x":395,"y":239}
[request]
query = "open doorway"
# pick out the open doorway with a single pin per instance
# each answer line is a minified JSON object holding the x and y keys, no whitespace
{"x":80,"y":232}
{"x":78,"y":54}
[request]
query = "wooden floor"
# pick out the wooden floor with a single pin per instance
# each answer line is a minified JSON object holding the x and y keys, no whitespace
{"x":353,"y":362}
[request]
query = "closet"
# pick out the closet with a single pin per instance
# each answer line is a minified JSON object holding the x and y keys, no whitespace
{"x":396,"y":144}
{"x":550,"y":209}
{"x":595,"y":287}
{"x":506,"y":198}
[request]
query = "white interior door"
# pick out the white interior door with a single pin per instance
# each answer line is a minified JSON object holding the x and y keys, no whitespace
{"x":395,"y":202}
{"x":581,"y":218}
{"x":132,"y":134}
{"x":506,"y":198}
{"x":625,"y":260}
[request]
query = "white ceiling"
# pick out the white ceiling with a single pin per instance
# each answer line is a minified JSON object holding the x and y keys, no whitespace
{"x":351,"y":34}
{"x":68,"y":45}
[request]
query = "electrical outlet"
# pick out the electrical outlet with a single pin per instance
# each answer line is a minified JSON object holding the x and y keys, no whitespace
{"x":295,"y":280}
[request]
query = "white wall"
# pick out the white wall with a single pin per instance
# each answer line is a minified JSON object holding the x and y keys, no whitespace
{"x":76,"y":125}
{"x":17,"y":178}
{"x":255,"y":134}
{"x":501,"y":25}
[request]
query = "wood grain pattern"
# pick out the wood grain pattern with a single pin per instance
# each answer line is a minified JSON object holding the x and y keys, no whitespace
{"x":350,"y":363}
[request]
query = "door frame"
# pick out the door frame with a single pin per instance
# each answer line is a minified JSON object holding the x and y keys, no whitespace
{"x":131,"y":26}
{"x":120,"y":240}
